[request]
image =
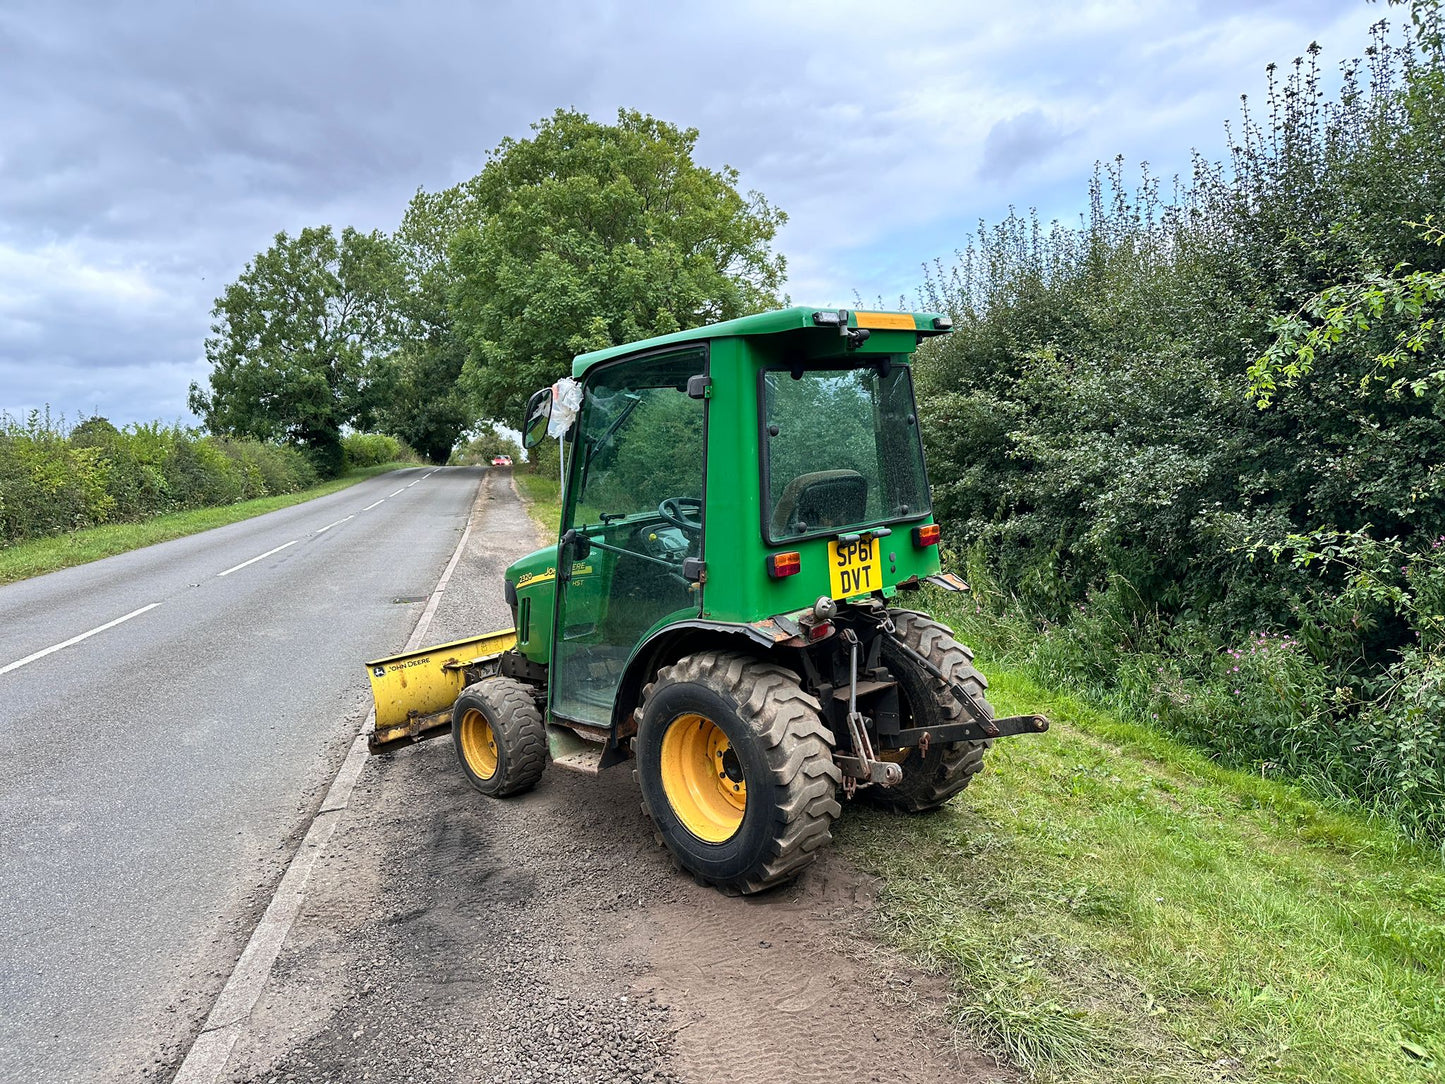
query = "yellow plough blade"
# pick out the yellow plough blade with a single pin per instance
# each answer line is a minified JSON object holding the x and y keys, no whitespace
{"x":414,"y":692}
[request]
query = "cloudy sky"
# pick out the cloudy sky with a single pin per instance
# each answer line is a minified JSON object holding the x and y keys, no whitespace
{"x":148,"y":150}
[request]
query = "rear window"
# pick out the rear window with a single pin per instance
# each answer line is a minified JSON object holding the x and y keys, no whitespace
{"x":840,"y":450}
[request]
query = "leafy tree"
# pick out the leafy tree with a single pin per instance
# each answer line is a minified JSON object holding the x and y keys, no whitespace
{"x":590,"y":234}
{"x":297,"y":341}
{"x":425,"y":406}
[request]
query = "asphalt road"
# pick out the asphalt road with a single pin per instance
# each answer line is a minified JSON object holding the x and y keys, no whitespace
{"x":169,"y":720}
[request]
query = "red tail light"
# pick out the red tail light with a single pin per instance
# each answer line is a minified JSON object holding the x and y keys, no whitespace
{"x":784,"y":564}
{"x":927,"y":535}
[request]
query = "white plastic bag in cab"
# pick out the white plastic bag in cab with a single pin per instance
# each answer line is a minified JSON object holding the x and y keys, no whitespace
{"x":566,"y":402}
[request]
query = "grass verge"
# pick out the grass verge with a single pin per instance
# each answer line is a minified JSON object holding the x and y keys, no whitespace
{"x":543,"y":498}
{"x":1113,"y":906}
{"x":43,"y":555}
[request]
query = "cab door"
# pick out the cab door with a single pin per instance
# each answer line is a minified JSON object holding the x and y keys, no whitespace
{"x":635,"y":509}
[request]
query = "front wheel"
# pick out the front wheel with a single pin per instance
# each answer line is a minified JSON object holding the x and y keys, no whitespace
{"x":736,"y":770}
{"x":499,"y":738}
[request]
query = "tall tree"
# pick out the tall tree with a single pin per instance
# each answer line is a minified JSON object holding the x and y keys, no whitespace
{"x":298,"y":340}
{"x":425,"y":406}
{"x":589,"y":234}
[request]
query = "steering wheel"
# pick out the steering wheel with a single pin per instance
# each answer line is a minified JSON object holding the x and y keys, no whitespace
{"x":676,"y":511}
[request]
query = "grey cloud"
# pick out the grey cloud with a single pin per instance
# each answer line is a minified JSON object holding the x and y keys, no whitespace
{"x":1019,"y":142}
{"x":176,"y":139}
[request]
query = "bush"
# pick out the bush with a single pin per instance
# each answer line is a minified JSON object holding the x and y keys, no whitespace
{"x":1237,"y":575}
{"x":269,"y":468}
{"x":55,"y":479}
{"x":374,"y":449}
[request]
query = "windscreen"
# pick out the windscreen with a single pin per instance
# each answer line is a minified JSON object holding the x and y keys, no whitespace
{"x":641,"y":438}
{"x":841,"y":449}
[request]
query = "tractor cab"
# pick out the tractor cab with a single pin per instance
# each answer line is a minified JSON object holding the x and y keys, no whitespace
{"x":722,"y":477}
{"x":745,"y":511}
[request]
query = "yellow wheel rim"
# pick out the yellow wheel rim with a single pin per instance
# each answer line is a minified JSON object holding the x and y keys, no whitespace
{"x":479,"y":744}
{"x":703,"y":778}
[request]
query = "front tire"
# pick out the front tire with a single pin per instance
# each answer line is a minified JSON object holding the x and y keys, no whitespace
{"x":498,"y":736}
{"x":930,"y":781}
{"x":736,"y":770}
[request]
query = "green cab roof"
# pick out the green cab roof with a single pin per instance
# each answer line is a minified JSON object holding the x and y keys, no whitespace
{"x":798,"y":318}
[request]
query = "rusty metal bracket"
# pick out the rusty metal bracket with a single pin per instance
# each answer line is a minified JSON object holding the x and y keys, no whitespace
{"x":863,"y":765}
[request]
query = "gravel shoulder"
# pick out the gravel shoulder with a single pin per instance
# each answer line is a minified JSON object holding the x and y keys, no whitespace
{"x":449,"y":937}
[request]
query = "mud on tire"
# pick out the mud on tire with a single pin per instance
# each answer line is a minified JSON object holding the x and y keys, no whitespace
{"x":757,"y":733}
{"x":499,"y":738}
{"x":930,"y":781}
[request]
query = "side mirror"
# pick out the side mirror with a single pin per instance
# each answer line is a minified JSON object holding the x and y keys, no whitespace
{"x":539,"y":412}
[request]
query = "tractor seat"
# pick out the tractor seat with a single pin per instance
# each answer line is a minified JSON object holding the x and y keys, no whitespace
{"x":823,"y":498}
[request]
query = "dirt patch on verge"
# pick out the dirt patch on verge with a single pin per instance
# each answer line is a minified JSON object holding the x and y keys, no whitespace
{"x":449,"y":937}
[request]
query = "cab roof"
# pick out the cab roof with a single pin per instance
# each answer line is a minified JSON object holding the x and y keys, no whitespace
{"x":773,"y":323}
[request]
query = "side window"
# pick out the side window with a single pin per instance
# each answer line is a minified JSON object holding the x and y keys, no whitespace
{"x":635,"y":492}
{"x":641,"y":441}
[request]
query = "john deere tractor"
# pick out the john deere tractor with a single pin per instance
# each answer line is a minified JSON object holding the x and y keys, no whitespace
{"x":745,"y":519}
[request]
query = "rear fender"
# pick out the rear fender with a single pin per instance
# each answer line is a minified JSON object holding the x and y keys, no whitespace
{"x":664,"y":648}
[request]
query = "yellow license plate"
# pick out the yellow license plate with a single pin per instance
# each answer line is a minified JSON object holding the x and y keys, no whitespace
{"x":855,"y":568}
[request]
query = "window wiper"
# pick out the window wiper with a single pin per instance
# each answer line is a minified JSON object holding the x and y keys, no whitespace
{"x":605,"y":437}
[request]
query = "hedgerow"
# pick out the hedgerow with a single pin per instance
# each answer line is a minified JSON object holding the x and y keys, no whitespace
{"x":373,"y":449}
{"x":54,"y":478}
{"x":1265,"y":581}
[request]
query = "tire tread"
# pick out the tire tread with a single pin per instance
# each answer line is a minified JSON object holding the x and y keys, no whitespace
{"x":950,"y":768}
{"x":798,"y":748}
{"x":521,"y":735}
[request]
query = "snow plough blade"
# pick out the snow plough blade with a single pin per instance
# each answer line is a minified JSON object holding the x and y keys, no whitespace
{"x":414,"y":691}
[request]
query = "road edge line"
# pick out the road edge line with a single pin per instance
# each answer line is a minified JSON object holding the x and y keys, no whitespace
{"x":424,"y":622}
{"x":211,"y":1051}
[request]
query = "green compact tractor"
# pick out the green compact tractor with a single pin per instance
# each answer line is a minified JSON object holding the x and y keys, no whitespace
{"x":745,"y":516}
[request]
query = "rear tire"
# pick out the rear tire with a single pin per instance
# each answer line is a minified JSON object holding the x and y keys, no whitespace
{"x":498,"y":736}
{"x":930,"y":781}
{"x":736,"y":770}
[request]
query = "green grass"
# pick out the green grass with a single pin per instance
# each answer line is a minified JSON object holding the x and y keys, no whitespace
{"x":43,"y":555}
{"x":543,"y":498}
{"x":1112,"y":906}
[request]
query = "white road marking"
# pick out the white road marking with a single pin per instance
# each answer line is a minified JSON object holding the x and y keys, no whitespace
{"x":394,"y":494}
{"x":253,"y":560}
{"x":373,"y":504}
{"x":338,"y":523}
{"x":17,"y":664}
{"x":207,"y":1058}
{"x":410,"y":484}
